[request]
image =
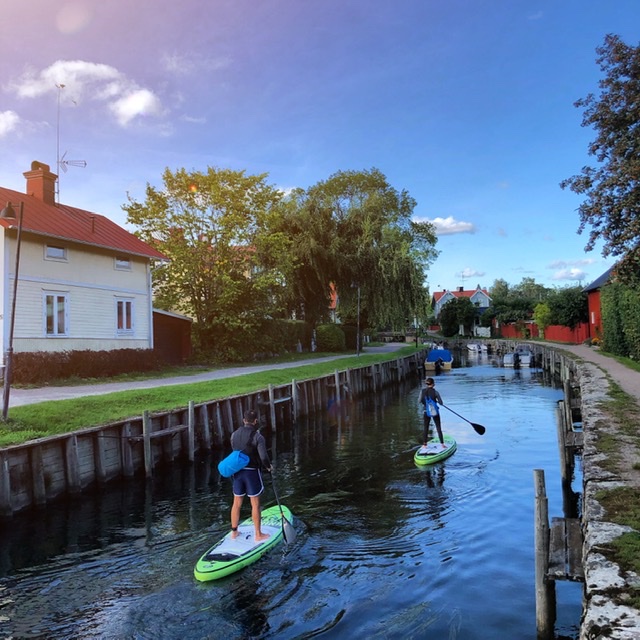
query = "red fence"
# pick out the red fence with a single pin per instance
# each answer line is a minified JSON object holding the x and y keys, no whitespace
{"x":555,"y":333}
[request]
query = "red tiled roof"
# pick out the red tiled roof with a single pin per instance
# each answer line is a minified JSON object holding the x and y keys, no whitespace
{"x":70,"y":223}
{"x":459,"y":294}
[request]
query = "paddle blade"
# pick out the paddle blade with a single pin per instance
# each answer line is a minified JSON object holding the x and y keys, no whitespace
{"x":478,"y":428}
{"x":288,"y":531}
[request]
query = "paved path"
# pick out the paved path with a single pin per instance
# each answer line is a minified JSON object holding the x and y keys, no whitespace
{"x":628,"y":379}
{"x":19,"y":397}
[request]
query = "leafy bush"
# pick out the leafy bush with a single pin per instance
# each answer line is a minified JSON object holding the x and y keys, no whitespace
{"x":620,"y":305}
{"x":330,"y":337}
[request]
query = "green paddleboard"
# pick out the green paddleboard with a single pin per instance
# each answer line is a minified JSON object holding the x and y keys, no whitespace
{"x":434,"y":452}
{"x":229,"y":555}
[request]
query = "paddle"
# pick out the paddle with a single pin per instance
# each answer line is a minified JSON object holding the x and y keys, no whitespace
{"x":288,"y":531}
{"x":478,"y":427}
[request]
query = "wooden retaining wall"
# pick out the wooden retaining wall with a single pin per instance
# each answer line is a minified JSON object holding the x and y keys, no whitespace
{"x":37,"y":472}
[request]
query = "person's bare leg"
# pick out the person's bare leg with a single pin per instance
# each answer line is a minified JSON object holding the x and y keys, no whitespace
{"x":256,"y":516}
{"x":235,"y":515}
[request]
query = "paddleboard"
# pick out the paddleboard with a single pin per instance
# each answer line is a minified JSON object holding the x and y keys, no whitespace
{"x":434,"y":452}
{"x":232,"y":554}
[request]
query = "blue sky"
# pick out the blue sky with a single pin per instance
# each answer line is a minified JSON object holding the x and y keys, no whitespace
{"x":467,"y":105}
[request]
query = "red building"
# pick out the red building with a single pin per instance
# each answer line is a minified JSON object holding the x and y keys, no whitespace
{"x":593,"y":299}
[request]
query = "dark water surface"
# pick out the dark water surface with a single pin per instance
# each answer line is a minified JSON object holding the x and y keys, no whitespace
{"x":384,"y":549}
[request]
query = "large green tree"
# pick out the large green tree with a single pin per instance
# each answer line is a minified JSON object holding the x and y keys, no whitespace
{"x":612,"y":188}
{"x":354,"y":231}
{"x":228,"y":267}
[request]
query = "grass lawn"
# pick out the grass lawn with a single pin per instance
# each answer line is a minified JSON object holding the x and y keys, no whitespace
{"x":28,"y":422}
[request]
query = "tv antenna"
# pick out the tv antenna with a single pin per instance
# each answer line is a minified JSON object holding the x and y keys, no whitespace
{"x":63,"y":163}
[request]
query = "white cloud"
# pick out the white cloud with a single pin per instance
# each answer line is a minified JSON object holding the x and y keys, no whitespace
{"x":78,"y":80}
{"x":468,"y":272}
{"x":449,"y":226}
{"x":137,"y":103}
{"x":569,"y":274}
{"x":9,"y":121}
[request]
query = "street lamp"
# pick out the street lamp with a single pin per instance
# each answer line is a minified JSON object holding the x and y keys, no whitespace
{"x":8,"y":213}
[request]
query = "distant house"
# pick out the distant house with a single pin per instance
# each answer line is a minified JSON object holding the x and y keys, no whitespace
{"x":479,"y":297}
{"x":84,"y":283}
{"x":593,"y":300}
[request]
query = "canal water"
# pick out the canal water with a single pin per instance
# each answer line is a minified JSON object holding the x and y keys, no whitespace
{"x":384,"y":549}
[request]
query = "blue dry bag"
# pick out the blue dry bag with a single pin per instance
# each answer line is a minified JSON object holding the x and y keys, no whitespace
{"x":235,"y":461}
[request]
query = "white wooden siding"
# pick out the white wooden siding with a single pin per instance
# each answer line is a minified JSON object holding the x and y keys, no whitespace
{"x":92,"y":283}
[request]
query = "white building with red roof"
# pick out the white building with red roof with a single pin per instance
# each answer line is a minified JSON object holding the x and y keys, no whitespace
{"x":84,"y":282}
{"x":479,"y":297}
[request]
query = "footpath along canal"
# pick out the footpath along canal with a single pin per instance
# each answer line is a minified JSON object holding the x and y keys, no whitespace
{"x":384,"y":549}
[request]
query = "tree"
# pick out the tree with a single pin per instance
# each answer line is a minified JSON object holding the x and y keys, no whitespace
{"x":612,"y":188}
{"x":456,"y":314}
{"x":354,"y":231}
{"x":569,"y":306}
{"x":499,"y":290}
{"x":542,"y":316}
{"x":228,"y":268}
{"x":529,"y":289}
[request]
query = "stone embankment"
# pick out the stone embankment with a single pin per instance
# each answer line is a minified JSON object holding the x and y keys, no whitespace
{"x":607,"y":587}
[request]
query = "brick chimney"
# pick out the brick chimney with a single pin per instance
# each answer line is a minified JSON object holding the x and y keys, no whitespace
{"x":41,"y":183}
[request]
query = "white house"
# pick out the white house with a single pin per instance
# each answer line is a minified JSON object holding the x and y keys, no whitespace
{"x":83,"y":281}
{"x":480,"y":299}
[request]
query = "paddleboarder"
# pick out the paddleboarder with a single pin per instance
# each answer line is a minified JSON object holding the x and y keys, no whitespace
{"x":248,"y":481}
{"x":430,"y":398}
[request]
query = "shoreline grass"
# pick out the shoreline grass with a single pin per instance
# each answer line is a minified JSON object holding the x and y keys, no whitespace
{"x":57,"y":417}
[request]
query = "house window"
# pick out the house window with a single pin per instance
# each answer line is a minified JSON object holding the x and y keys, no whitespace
{"x":122,"y":264}
{"x":54,"y":252}
{"x":56,"y":320}
{"x":124,"y":316}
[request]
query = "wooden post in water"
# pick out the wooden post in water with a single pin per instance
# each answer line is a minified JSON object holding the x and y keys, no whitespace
{"x":294,"y":401}
{"x":99,"y":456}
{"x":545,"y":589}
{"x":191,"y":431}
{"x":336,"y":377}
{"x":562,"y":439}
{"x":146,"y":436}
{"x":206,"y":427}
{"x":37,"y":476}
{"x":127,"y":454}
{"x":72,"y":464}
{"x":5,"y":486}
{"x":272,"y":408}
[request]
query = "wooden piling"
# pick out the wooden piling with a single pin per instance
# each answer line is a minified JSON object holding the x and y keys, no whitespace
{"x":294,"y":401}
{"x":99,"y":445}
{"x":126,"y":452}
{"x":146,"y":435}
{"x":191,"y":431}
{"x":5,"y":486}
{"x":72,"y":464}
{"x":37,"y":475}
{"x":545,"y":589}
{"x":206,"y":426}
